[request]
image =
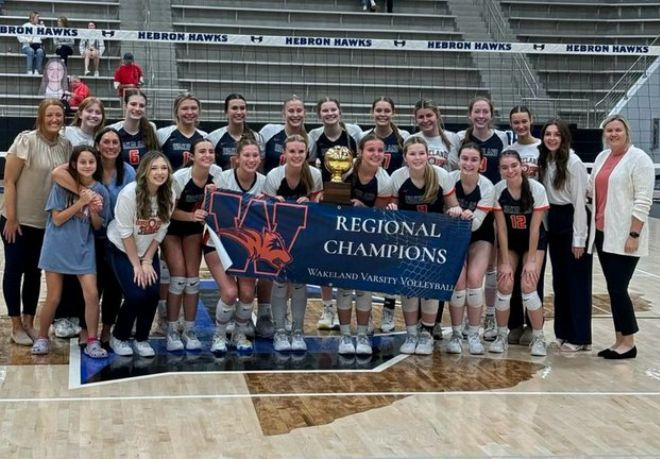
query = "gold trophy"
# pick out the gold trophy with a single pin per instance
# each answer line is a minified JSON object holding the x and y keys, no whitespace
{"x":337,"y":161}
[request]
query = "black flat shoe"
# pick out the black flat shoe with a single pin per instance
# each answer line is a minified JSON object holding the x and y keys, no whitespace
{"x":613,"y":355}
{"x":605,"y":352}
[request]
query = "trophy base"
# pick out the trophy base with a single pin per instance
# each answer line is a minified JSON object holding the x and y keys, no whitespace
{"x":337,"y":193}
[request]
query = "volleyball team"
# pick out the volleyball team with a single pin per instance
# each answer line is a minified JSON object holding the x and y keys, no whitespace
{"x":114,"y":215}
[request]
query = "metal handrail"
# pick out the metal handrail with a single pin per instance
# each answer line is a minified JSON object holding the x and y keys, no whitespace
{"x":495,"y":19}
{"x":626,"y":80}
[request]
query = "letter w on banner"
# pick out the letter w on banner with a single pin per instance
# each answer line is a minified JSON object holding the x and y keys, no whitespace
{"x":398,"y":252}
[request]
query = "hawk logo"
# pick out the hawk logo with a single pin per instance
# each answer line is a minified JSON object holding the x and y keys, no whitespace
{"x":258,"y":235}
{"x":538,"y":47}
{"x":399,"y":43}
{"x":256,"y":38}
{"x":108,"y":33}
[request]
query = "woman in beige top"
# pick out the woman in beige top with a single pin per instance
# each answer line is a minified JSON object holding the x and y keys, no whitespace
{"x":30,"y":160}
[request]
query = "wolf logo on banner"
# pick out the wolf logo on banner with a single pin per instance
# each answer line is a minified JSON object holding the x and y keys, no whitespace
{"x":261,"y":235}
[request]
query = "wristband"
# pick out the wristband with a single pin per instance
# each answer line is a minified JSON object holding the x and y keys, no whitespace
{"x":633,"y":234}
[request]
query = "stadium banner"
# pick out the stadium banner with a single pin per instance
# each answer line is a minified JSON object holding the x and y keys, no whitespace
{"x":312,"y":41}
{"x":398,"y":252}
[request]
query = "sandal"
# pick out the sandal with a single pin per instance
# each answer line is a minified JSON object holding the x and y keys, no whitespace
{"x":95,"y":351}
{"x":40,"y":346}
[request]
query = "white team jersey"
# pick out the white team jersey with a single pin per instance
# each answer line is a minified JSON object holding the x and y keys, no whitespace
{"x":227,"y":181}
{"x":441,"y":154}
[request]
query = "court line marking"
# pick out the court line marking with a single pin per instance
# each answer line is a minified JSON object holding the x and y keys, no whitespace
{"x":324,"y":394}
{"x":74,"y":364}
{"x":648,"y":273}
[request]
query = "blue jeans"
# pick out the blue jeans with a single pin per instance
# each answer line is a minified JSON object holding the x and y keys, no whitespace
{"x":139,"y":303}
{"x":33,"y":58}
{"x":21,"y":263}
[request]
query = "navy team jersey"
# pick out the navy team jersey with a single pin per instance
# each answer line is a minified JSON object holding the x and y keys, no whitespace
{"x":189,"y":197}
{"x":319,"y":144}
{"x":411,"y":198}
{"x":273,"y":136}
{"x":393,"y":159}
{"x":518,"y":222}
{"x":380,"y":186}
{"x":491,"y":148}
{"x":176,"y":146}
{"x":277,"y":185}
{"x":225,"y":146}
{"x":133,"y":146}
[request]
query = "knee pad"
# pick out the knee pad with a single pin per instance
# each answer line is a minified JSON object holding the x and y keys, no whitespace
{"x":491,"y":279}
{"x":531,"y":301}
{"x":344,"y":299}
{"x":243,"y":312}
{"x":177,"y":285}
{"x":362,"y":300}
{"x":409,"y":303}
{"x":192,"y":285}
{"x":223,"y":312}
{"x":502,"y":301}
{"x":475,"y":297}
{"x":164,"y":273}
{"x":430,"y":306}
{"x":457,"y":299}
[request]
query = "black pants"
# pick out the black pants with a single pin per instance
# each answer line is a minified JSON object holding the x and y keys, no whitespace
{"x":21,"y":263}
{"x":571,"y":279}
{"x":618,"y":270}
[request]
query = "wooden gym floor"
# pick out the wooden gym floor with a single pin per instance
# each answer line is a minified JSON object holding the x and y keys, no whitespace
{"x":564,"y":405}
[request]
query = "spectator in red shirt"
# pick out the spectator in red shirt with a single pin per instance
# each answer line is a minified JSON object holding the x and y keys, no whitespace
{"x":128,"y":75}
{"x":79,"y":91}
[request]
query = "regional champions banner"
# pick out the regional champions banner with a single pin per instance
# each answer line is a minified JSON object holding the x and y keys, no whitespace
{"x":397,"y":252}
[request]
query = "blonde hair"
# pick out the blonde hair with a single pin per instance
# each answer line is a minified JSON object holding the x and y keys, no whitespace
{"x":40,"y":123}
{"x":306,"y":173}
{"x":626,"y":126}
{"x":431,"y":184}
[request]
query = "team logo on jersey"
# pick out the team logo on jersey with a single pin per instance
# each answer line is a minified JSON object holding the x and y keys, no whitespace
{"x":147,"y":226}
{"x":258,"y":235}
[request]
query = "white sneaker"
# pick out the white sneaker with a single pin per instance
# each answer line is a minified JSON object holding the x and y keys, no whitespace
{"x":327,"y":318}
{"x":363,"y":345}
{"x":387,"y":324}
{"x":298,"y":342}
{"x":409,"y":345}
{"x":424,"y":344}
{"x":455,"y":344}
{"x":437,"y":331}
{"x":96,"y":73}
{"x":144,"y":349}
{"x":537,"y":347}
{"x":120,"y":347}
{"x":490,"y":328}
{"x":474,"y":344}
{"x":335,"y":322}
{"x":240,"y":341}
{"x":63,"y":328}
{"x":219,"y":344}
{"x":192,"y":342}
{"x":346,"y":346}
{"x":231,"y":326}
{"x":281,"y":341}
{"x":500,"y":344}
{"x":29,"y":72}
{"x":174,"y":342}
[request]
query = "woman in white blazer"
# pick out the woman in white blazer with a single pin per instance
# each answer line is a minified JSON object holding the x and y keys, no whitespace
{"x":621,"y":186}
